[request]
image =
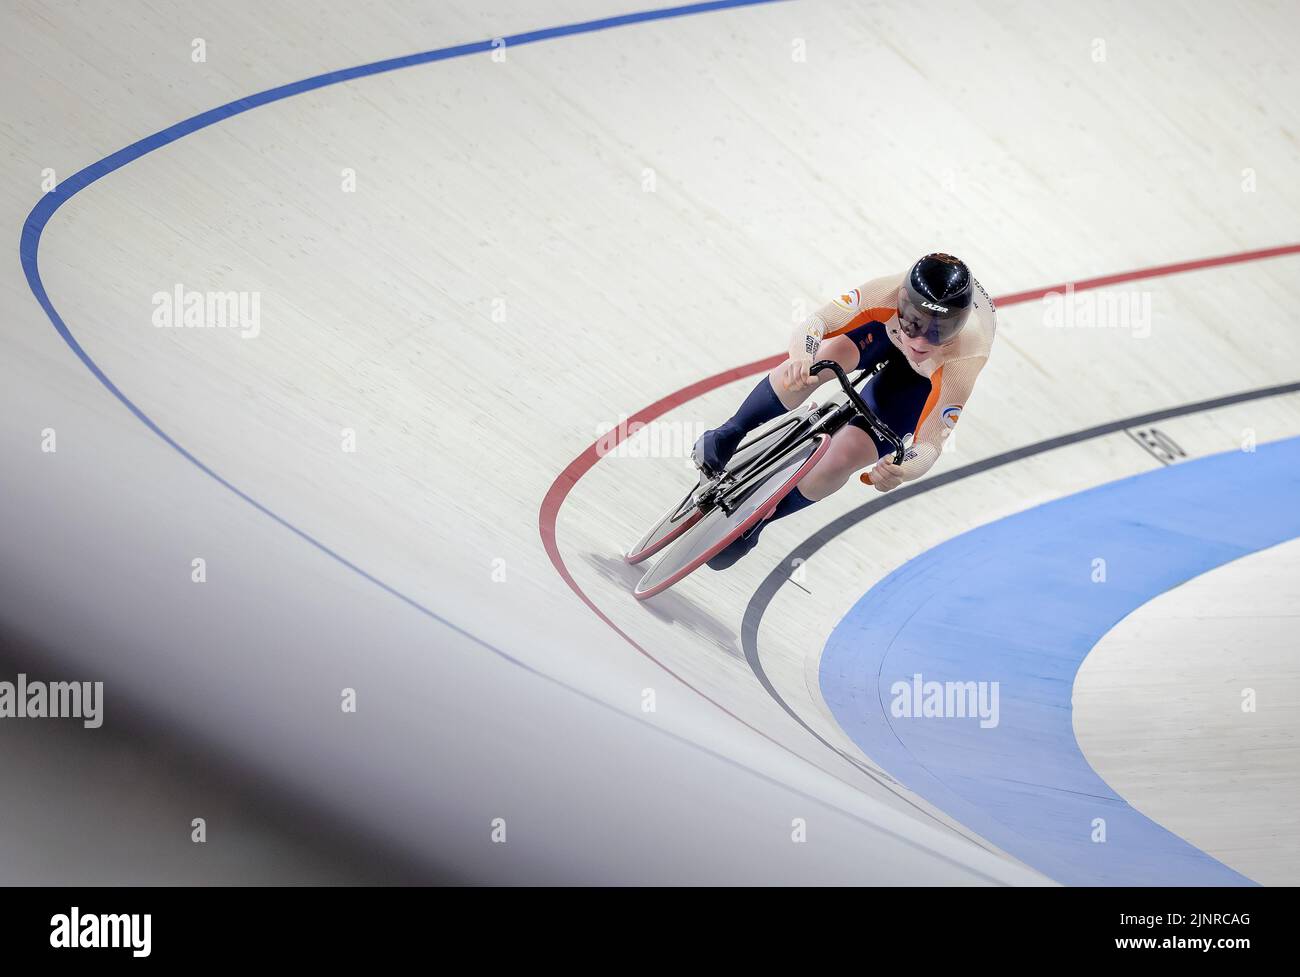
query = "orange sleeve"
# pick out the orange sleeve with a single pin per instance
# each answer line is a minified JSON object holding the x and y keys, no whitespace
{"x":873,"y":300}
{"x":950,"y":387}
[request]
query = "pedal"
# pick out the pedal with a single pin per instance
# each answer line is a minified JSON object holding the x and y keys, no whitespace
{"x":697,"y":458}
{"x":706,"y":491}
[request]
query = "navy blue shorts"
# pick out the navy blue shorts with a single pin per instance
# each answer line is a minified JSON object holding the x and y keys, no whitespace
{"x":897,"y":394}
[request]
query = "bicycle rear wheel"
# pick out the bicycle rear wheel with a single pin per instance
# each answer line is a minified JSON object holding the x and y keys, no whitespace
{"x":715,"y":530}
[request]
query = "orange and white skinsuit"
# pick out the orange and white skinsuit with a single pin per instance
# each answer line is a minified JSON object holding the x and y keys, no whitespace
{"x":922,"y":391}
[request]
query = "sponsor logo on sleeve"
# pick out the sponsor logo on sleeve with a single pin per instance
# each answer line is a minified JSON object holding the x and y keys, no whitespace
{"x":951,"y":415}
{"x":850,"y":300}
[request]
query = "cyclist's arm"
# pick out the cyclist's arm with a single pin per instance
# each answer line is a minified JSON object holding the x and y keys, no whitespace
{"x":951,"y":386}
{"x":875,"y":300}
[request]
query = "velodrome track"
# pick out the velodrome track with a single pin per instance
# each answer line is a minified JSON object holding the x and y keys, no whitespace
{"x":598,"y":228}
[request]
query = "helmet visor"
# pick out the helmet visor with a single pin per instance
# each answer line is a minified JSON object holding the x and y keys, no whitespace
{"x":919,"y":318}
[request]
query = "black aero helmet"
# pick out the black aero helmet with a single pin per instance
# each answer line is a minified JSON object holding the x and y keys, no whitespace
{"x":936,"y":298}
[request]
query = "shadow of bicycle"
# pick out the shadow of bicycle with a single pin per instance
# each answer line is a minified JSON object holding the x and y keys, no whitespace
{"x":669,"y":607}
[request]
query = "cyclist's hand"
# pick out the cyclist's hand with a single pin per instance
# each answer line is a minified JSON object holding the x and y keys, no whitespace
{"x":795,"y":373}
{"x":885,"y":476}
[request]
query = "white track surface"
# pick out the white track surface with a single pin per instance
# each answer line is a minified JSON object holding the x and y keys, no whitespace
{"x":1158,"y":711}
{"x":778,"y":183}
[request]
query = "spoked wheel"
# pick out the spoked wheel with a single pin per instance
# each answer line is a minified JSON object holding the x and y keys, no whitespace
{"x":715,"y":530}
{"x":685,"y":513}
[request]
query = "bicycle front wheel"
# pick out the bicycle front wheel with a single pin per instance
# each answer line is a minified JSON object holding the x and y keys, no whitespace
{"x":685,"y":513}
{"x":716,"y":529}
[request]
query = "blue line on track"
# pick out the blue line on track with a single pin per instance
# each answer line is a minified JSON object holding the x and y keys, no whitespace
{"x":40,"y":215}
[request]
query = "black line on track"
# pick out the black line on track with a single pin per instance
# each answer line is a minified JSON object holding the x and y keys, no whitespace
{"x":767,"y":590}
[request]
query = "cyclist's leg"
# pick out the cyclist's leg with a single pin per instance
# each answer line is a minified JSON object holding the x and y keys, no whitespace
{"x":767,"y":400}
{"x":898,"y":396}
{"x":852,"y":449}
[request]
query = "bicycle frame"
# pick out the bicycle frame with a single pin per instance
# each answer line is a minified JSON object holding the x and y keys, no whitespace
{"x":732,"y":487}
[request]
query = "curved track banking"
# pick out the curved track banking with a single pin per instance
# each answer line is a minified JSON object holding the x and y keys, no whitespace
{"x":762,"y":599}
{"x":39,"y":217}
{"x":568,"y":479}
{"x":1018,"y":613}
{"x":49,"y":204}
{"x":41,"y":214}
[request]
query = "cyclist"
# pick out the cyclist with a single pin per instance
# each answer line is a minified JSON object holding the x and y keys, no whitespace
{"x":934,"y":324}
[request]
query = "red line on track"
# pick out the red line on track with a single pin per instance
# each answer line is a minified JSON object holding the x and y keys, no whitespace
{"x":568,"y":478}
{"x":548,"y":515}
{"x":1154,"y":272}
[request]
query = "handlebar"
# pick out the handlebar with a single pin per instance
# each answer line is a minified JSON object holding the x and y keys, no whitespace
{"x":878,"y":426}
